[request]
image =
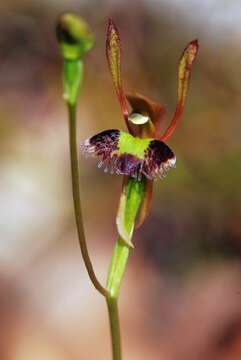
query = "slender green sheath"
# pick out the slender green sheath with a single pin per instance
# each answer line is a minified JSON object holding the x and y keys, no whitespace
{"x":117,"y":267}
{"x":134,"y":193}
{"x":73,"y":73}
{"x":116,"y":272}
{"x":130,"y":201}
{"x":115,"y":275}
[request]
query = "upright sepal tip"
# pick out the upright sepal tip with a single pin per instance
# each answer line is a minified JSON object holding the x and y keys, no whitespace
{"x":184,"y":71}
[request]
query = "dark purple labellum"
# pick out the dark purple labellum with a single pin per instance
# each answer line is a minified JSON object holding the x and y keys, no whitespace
{"x":128,"y":164}
{"x":158,"y":158}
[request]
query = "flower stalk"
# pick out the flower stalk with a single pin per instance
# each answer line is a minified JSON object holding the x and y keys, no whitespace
{"x":75,"y":39}
{"x":115,"y":275}
{"x":112,"y":305}
{"x":75,"y":175}
{"x":131,"y":198}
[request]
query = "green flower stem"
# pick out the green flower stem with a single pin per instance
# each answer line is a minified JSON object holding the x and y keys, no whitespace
{"x":115,"y":275}
{"x":72,"y":96}
{"x":114,"y":327}
{"x":131,"y":198}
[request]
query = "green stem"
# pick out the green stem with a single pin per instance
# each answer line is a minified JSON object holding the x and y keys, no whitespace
{"x":131,"y":199}
{"x":76,"y":199}
{"x":115,"y":275}
{"x":114,"y":327}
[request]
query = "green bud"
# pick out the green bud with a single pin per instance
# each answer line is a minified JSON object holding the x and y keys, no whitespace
{"x":74,"y":36}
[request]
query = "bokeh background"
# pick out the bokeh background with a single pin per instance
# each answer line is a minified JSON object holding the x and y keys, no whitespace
{"x":181,"y":296}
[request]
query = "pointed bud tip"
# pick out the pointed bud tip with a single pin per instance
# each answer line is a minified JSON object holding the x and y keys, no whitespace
{"x":74,"y":36}
{"x":110,"y":21}
{"x":194,"y":43}
{"x":112,"y":31}
{"x":111,"y":25}
{"x":194,"y":46}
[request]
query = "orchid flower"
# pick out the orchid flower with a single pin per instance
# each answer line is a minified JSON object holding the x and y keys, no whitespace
{"x":141,"y":153}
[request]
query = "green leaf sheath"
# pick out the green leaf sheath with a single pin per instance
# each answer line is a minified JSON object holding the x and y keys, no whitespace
{"x":130,"y":201}
{"x":131,"y":198}
{"x":117,"y":267}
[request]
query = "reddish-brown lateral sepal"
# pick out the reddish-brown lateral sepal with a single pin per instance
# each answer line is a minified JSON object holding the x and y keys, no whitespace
{"x":184,"y":71}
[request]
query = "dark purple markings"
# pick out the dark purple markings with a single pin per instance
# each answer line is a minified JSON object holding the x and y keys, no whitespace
{"x":159,"y":158}
{"x":102,"y":145}
{"x":128,"y":164}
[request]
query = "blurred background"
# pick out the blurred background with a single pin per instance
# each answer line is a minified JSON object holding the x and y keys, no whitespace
{"x":181,"y":296}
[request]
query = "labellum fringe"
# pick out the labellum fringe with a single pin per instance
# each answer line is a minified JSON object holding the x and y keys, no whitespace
{"x":123,"y":154}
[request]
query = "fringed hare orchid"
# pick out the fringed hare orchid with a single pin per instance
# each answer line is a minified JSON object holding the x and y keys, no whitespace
{"x":142,"y":153}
